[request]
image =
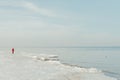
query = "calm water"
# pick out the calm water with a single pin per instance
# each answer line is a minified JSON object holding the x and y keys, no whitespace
{"x":105,"y":59}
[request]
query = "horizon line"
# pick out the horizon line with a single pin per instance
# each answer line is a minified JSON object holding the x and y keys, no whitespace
{"x":66,"y":47}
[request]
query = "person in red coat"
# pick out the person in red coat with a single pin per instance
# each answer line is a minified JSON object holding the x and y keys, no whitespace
{"x":13,"y":50}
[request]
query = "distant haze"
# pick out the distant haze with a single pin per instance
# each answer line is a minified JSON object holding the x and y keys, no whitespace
{"x":53,"y":23}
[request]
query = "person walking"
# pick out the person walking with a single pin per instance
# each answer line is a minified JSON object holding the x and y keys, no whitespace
{"x":13,"y":50}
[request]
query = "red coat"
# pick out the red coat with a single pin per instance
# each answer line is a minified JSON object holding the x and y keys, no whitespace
{"x":12,"y":50}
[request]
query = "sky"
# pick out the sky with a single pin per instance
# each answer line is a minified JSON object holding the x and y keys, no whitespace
{"x":59,"y":23}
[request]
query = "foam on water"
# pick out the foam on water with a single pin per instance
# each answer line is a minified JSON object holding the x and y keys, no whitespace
{"x":44,"y":67}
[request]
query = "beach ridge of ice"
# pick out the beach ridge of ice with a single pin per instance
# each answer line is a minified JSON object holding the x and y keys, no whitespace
{"x":44,"y":67}
{"x":75,"y":70}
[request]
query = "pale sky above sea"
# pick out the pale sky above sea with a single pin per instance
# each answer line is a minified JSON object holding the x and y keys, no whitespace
{"x":50,"y":23}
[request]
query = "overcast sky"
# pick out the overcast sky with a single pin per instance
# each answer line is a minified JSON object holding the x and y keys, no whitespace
{"x":57,"y":23}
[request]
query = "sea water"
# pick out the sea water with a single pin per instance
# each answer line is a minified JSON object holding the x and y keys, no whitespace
{"x":84,"y":63}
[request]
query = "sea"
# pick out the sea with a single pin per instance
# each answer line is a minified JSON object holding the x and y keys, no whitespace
{"x":68,"y":63}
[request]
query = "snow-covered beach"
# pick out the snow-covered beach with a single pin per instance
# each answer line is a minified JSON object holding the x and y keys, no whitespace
{"x":25,"y":66}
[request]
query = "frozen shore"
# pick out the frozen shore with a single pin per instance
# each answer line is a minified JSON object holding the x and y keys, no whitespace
{"x":44,"y":67}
